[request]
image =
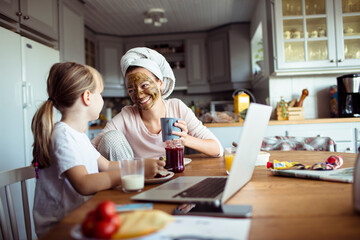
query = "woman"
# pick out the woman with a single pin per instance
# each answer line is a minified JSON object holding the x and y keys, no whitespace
{"x":149,"y":80}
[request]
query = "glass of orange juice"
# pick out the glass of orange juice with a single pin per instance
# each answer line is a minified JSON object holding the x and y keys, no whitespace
{"x":229,"y":157}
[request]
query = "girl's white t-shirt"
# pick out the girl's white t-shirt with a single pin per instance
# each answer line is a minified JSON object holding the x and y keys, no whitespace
{"x":149,"y":145}
{"x":54,"y":195}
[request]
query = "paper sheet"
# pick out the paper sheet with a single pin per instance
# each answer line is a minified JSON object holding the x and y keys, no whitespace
{"x":204,"y":228}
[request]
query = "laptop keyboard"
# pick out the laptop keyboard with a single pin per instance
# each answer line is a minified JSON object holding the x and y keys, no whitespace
{"x":207,"y":188}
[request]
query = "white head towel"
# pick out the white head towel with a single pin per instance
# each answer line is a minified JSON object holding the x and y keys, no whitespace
{"x":152,"y":61}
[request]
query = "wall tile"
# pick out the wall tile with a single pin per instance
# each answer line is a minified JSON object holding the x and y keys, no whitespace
{"x":280,"y":87}
{"x":316,"y":105}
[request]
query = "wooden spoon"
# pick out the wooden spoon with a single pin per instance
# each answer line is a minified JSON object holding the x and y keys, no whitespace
{"x":305,"y":92}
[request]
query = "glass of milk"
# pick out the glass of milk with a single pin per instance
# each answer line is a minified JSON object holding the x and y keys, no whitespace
{"x":132,"y":174}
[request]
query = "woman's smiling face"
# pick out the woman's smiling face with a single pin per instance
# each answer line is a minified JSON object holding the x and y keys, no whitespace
{"x":143,"y":87}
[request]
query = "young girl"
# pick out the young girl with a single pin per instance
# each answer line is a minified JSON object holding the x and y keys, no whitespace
{"x":149,"y":80}
{"x":69,"y":168}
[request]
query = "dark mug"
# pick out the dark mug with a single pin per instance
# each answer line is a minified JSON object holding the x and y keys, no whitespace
{"x":167,"y":126}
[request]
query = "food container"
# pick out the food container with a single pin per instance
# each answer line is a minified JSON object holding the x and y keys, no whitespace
{"x":262,"y":158}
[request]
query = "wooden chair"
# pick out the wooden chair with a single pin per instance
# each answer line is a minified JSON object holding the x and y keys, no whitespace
{"x":6,"y":179}
{"x":288,"y":143}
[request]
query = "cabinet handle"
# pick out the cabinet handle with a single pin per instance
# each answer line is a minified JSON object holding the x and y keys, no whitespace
{"x":340,"y":60}
{"x":18,"y":13}
{"x":332,"y":60}
{"x":348,"y":149}
{"x":25,"y":95}
{"x":26,"y":17}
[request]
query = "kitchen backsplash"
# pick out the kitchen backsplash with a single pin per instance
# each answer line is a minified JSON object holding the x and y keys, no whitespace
{"x":316,"y":104}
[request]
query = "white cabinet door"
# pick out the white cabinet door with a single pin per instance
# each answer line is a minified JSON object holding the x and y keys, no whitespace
{"x":38,"y":16}
{"x":37,"y":60}
{"x":110,"y":55}
{"x":41,"y":16}
{"x":341,"y":132}
{"x":347,"y":32}
{"x":316,"y":35}
{"x":196,"y":66}
{"x":276,"y":130}
{"x":299,"y":42}
{"x":229,"y":58}
{"x":24,"y":67}
{"x":72,"y":45}
{"x":12,"y":146}
{"x":219,"y":66}
{"x":10,"y":8}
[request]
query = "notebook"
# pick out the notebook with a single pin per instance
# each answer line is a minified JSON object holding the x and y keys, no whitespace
{"x":182,"y":189}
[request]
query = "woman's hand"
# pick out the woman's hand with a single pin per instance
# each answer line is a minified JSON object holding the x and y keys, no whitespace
{"x":153,"y":167}
{"x":184,"y":131}
{"x":207,"y":146}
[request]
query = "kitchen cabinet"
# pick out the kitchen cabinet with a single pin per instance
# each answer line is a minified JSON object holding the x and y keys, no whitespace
{"x":71,"y":40}
{"x":197,"y":80}
{"x":186,"y":54}
{"x":229,"y":57}
{"x":174,"y":52}
{"x":110,"y":53}
{"x":24,"y":67}
{"x":38,"y":17}
{"x":316,"y":35}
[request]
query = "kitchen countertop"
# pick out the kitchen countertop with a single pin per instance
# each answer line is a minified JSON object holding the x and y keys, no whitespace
{"x":287,"y":122}
{"x":272,"y":122}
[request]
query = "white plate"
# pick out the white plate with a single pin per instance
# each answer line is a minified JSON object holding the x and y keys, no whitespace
{"x":159,"y":180}
{"x":187,"y":161}
{"x":77,"y":234}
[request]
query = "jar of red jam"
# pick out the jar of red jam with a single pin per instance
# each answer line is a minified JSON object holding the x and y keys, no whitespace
{"x":174,"y":155}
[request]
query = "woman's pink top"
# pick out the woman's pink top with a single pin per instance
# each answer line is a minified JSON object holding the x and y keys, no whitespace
{"x":149,"y":145}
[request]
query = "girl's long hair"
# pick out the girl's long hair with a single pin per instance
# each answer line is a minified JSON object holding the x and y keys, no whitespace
{"x":66,"y":83}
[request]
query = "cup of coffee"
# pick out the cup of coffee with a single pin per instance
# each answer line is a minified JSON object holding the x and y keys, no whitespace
{"x":132,"y":174}
{"x":229,"y":157}
{"x":167,"y":126}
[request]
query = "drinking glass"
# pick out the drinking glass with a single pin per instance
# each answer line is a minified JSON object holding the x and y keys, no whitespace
{"x":132,"y":174}
{"x":229,"y":157}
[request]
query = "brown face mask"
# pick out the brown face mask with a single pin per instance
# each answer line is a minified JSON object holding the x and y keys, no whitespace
{"x":142,"y":90}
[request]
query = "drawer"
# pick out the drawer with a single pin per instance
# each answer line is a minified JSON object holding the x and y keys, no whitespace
{"x":347,"y":147}
{"x":337,"y":133}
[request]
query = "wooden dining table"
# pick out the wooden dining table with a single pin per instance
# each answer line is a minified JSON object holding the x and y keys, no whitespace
{"x":283,"y":207}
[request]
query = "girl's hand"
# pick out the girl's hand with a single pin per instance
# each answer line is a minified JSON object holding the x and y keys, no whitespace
{"x":184,"y":131}
{"x":153,"y":167}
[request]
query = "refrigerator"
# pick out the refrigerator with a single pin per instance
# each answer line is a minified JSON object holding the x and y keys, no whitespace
{"x":24,"y":67}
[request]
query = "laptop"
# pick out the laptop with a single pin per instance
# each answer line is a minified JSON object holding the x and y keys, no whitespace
{"x":188,"y":188}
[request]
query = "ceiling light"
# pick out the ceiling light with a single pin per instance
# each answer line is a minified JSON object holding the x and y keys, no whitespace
{"x":155,"y":16}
